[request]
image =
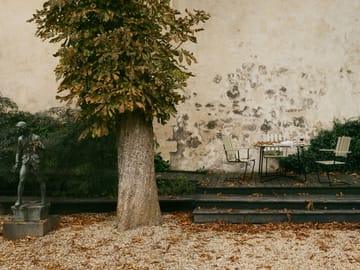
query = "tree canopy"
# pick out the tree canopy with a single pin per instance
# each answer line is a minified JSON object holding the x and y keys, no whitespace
{"x":119,"y":56}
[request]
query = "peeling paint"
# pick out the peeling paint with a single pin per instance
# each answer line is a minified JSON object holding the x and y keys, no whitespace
{"x":233,"y":92}
{"x":270,"y":93}
{"x":257,"y":112}
{"x":283,"y":89}
{"x":273,"y":114}
{"x":299,"y":121}
{"x":217,"y":79}
{"x":307,"y":103}
{"x":241,"y":111}
{"x":250,"y":127}
{"x":193,"y":142}
{"x":262,"y":69}
{"x":265,"y":127}
{"x":212,"y":124}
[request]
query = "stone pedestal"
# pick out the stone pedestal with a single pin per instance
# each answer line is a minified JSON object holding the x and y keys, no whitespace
{"x":29,"y":219}
{"x":30,"y":211}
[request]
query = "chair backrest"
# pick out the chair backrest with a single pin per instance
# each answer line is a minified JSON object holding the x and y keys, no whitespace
{"x":274,"y":150}
{"x":227,"y":142}
{"x":272,"y":137}
{"x":342,"y":146}
{"x":230,"y":152}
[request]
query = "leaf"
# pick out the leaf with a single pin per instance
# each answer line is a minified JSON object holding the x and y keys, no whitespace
{"x":140,"y":105}
{"x":115,"y":77}
{"x":181,"y":57}
{"x":107,"y":46}
{"x":121,"y":107}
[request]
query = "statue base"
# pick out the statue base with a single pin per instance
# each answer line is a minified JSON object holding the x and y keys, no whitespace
{"x":21,"y":229}
{"x":29,"y":219}
{"x":30,"y":211}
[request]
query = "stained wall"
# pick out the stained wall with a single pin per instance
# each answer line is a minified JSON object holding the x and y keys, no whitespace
{"x":286,"y":67}
{"x":26,"y":63}
{"x":275,"y":66}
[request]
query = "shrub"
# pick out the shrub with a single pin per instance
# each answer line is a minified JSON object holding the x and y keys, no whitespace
{"x":72,"y":167}
{"x":161,"y":165}
{"x":178,"y":186}
{"x":328,"y":139}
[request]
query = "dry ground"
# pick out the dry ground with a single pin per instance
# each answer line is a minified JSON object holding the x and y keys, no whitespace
{"x":91,"y":241}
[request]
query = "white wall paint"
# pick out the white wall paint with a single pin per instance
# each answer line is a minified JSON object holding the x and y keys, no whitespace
{"x":26,"y":63}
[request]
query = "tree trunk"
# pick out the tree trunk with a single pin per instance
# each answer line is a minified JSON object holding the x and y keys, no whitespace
{"x":138,"y":203}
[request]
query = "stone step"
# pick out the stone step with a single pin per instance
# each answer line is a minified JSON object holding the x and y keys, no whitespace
{"x":96,"y":205}
{"x":341,"y":183}
{"x":257,"y":201}
{"x":256,"y":216}
{"x":279,"y":190}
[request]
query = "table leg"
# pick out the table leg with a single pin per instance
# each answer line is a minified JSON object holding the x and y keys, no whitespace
{"x":261,"y":160}
{"x":301,"y":162}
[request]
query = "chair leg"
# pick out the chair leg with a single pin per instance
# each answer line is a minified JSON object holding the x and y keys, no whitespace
{"x":328,"y":177}
{"x":318,"y":173}
{"x":318,"y":176}
{"x":252,"y":170}
{"x":338,"y":182}
{"x":329,"y":182}
{"x":266,"y":163}
{"x":244,"y":176}
{"x":305,"y":179}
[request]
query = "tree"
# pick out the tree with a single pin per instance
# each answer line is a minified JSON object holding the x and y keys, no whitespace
{"x":123,"y":63}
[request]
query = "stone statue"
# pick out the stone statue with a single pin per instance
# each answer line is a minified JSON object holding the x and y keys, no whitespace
{"x":28,"y":160}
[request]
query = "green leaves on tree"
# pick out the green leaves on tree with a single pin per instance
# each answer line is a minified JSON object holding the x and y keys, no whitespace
{"x":119,"y":56}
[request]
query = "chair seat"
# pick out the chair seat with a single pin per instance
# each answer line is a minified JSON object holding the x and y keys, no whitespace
{"x":246,"y":160}
{"x":330,"y":162}
{"x":238,"y":155}
{"x":340,"y":152}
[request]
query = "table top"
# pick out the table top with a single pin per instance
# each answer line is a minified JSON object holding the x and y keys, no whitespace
{"x":281,"y":144}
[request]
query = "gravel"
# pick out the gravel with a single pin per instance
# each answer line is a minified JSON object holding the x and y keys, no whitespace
{"x":91,"y":241}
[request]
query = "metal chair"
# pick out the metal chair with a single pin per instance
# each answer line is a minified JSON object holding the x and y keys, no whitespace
{"x":338,"y":157}
{"x":238,"y":155}
{"x":271,"y":151}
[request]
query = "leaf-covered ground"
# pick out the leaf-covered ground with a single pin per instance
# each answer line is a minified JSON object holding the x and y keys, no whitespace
{"x":91,"y":241}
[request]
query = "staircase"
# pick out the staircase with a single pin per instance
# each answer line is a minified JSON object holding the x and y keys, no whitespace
{"x":282,"y":200}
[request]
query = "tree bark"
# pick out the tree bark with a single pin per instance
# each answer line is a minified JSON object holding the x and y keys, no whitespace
{"x":138,"y":203}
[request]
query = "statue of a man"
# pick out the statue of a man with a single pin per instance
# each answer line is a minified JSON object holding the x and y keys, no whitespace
{"x":28,"y":160}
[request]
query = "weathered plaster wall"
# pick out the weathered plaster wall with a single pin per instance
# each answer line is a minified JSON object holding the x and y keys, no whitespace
{"x":279,"y":66}
{"x":26,"y":63}
{"x":275,"y":66}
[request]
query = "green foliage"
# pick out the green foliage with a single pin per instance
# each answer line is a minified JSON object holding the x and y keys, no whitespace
{"x":119,"y":56}
{"x":328,"y":139}
{"x":7,"y":105}
{"x":72,"y":167}
{"x":179,"y":186}
{"x":161,"y":165}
